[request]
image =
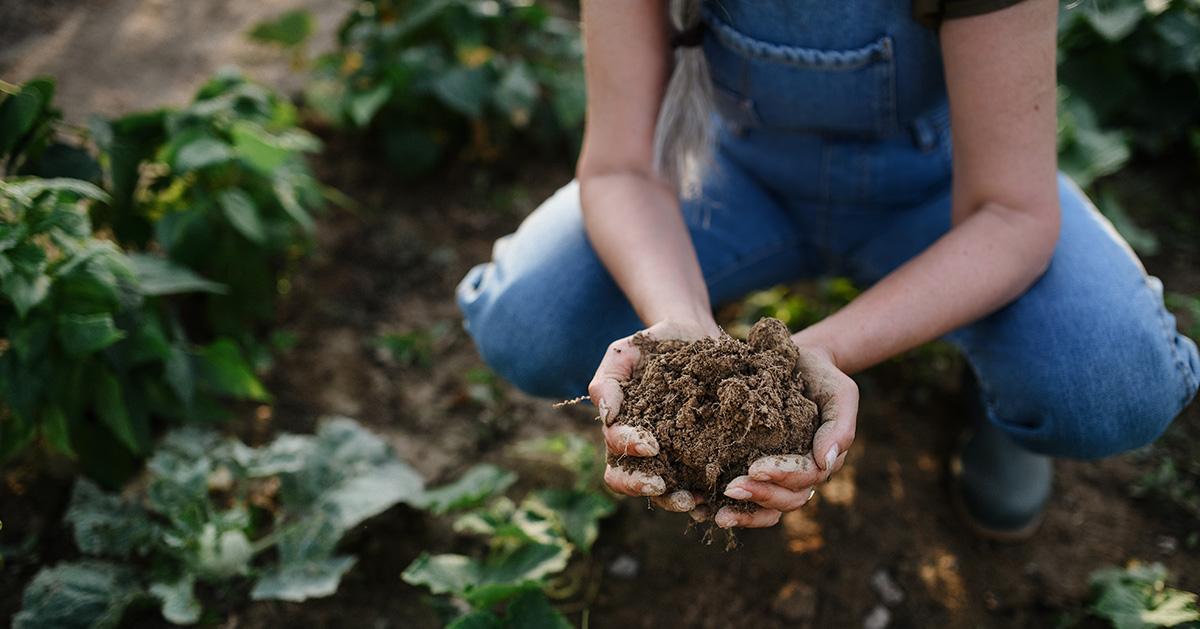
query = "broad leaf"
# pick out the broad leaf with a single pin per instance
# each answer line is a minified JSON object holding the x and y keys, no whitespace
{"x":242,"y":213}
{"x":372,"y":493}
{"x":577,"y":512}
{"x":81,"y":335}
{"x":88,"y":594}
{"x":159,"y":276}
{"x":531,"y":609}
{"x":443,"y":574}
{"x":465,"y":90}
{"x":474,"y":487}
{"x":107,"y":525}
{"x":300,"y":582}
{"x":200,"y":153}
{"x":178,"y":599}
{"x":226,"y":372}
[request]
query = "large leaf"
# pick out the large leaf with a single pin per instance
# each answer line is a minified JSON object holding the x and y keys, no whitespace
{"x":300,"y":582}
{"x":266,"y":151}
{"x":473,"y":488}
{"x":226,"y":372}
{"x":443,"y":574}
{"x":81,"y":335}
{"x":577,"y":512}
{"x":107,"y":525}
{"x":156,"y":276}
{"x":178,"y":599}
{"x":465,"y":90}
{"x":531,"y":609}
{"x":87,"y":594}
{"x":199,"y":153}
{"x":30,"y":188}
{"x":129,"y":428}
{"x":1137,"y":598}
{"x":24,"y":292}
{"x":372,"y":493}
{"x":242,"y":213}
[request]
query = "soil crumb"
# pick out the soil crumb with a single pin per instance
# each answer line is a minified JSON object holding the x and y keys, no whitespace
{"x":715,"y":406}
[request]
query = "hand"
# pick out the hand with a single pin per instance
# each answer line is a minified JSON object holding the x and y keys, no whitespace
{"x":782,"y":483}
{"x":605,"y":389}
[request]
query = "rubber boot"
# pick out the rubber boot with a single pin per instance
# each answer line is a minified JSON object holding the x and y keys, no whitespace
{"x":1000,"y":488}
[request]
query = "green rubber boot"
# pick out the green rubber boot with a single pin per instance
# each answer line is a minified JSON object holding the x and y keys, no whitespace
{"x":1000,"y":488}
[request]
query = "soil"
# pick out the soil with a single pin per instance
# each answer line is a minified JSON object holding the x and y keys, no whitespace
{"x":392,"y":267}
{"x":715,"y":406}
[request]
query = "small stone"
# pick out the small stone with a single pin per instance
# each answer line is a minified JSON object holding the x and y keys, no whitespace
{"x":887,"y":589}
{"x":796,"y":602}
{"x":624,"y":567}
{"x":879,"y":618}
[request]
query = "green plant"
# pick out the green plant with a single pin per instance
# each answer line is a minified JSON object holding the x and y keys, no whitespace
{"x":526,"y":545}
{"x":1189,"y":307}
{"x":29,"y":125}
{"x":1138,"y":598}
{"x":223,"y":188}
{"x":209,"y":512}
{"x":89,"y":353}
{"x":430,"y":78}
{"x":1130,"y":70}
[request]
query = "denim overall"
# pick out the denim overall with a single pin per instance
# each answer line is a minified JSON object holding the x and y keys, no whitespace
{"x":833,"y":157}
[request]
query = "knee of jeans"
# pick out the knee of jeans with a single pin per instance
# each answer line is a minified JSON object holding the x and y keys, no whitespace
{"x":511,"y":326}
{"x":1111,"y":407}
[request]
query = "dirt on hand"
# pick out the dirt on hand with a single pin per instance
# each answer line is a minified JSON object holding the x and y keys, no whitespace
{"x":715,"y":406}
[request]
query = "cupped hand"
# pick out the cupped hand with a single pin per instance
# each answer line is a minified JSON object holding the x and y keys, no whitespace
{"x":605,"y":390}
{"x":782,"y":483}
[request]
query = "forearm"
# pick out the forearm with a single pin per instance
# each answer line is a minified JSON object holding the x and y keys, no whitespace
{"x":982,"y":264}
{"x":634,"y":224}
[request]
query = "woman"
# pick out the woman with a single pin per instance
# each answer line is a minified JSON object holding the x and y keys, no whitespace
{"x":911,"y":148}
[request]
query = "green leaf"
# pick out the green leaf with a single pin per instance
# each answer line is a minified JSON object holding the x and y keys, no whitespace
{"x":443,"y":574}
{"x":364,"y":105}
{"x":578,"y":513}
{"x":56,"y":430}
{"x":81,"y":335}
{"x":476,"y":619}
{"x":464,"y":90}
{"x":200,"y":153}
{"x":531,"y":609}
{"x":300,"y":582}
{"x":30,"y":188}
{"x":25,"y":293}
{"x":529,"y":562}
{"x":90,"y":594}
{"x":371,"y":493}
{"x":110,"y":406}
{"x":1116,"y":23}
{"x":1137,"y":598}
{"x":517,"y":94}
{"x":288,"y":30}
{"x":178,"y":598}
{"x":157,"y":276}
{"x":242,"y":213}
{"x":223,"y":553}
{"x":227,"y":373}
{"x":474,"y":487}
{"x":266,"y":151}
{"x":108,"y":525}
{"x":18,"y":113}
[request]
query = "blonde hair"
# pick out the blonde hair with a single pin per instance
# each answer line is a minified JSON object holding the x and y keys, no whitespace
{"x":683,"y":137}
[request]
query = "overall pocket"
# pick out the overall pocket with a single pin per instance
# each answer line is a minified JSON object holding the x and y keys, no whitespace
{"x":787,"y":87}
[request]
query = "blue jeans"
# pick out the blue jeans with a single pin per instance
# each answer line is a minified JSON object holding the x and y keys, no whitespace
{"x":1085,"y":364}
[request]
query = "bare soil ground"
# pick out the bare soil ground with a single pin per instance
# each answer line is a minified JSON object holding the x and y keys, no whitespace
{"x":391,"y":267}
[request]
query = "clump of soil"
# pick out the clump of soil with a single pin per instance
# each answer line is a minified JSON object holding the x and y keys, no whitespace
{"x":715,"y":406}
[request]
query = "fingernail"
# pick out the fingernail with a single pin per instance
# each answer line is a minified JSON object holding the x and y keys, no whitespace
{"x":831,"y":457}
{"x":644,"y":449}
{"x":651,"y":488}
{"x":603,"y":411}
{"x":812,"y":491}
{"x":725,"y":519}
{"x":682,"y":501}
{"x":761,"y":476}
{"x":737,"y":493}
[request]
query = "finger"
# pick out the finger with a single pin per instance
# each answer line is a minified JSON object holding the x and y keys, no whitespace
{"x":633,"y":483}
{"x":616,"y":366}
{"x":757,"y":519}
{"x":702,"y":513}
{"x":768,"y":495}
{"x":631,"y":440}
{"x":790,"y":471}
{"x":839,"y":412}
{"x":678,"y":501}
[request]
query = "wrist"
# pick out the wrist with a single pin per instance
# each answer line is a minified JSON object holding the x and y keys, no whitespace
{"x":811,"y":343}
